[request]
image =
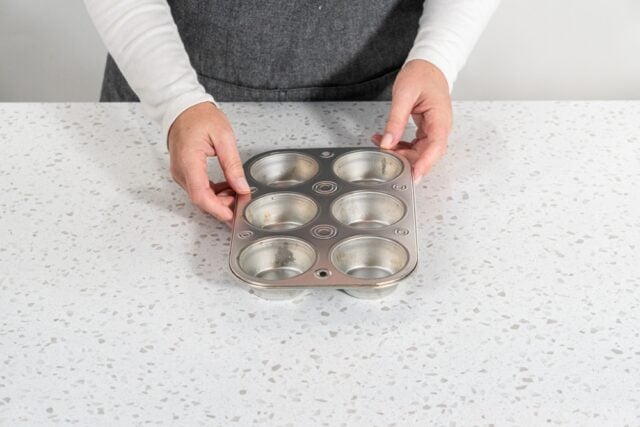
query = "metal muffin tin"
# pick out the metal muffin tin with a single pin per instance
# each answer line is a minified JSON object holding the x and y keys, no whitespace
{"x":325,"y":218}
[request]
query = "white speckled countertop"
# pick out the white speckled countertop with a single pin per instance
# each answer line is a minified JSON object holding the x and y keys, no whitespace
{"x":117,"y":306}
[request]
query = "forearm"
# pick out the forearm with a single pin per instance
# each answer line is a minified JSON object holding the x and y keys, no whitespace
{"x":144,"y":42}
{"x":448,"y":31}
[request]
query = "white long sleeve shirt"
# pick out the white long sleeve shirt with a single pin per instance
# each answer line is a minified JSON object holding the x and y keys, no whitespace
{"x":144,"y":42}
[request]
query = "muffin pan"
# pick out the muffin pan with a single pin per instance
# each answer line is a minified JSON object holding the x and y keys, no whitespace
{"x":325,"y":218}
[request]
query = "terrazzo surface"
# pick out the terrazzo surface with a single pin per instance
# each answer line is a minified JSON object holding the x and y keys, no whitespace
{"x":117,"y":306}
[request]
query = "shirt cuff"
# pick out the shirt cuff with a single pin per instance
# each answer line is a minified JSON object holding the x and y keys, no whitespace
{"x":431,"y":54}
{"x":181,"y":103}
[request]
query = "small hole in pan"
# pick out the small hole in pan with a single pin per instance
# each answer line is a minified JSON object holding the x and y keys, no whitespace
{"x":322,"y":273}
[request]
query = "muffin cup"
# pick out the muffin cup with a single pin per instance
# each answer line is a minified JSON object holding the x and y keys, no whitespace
{"x":285,"y":169}
{"x":368,"y":167}
{"x":276,"y":258}
{"x":280,"y":211}
{"x":368,"y":209}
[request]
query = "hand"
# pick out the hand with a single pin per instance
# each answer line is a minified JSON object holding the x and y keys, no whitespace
{"x":420,"y":90}
{"x":203,"y":131}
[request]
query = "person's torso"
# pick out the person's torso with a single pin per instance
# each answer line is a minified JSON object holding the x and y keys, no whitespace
{"x":281,"y":47}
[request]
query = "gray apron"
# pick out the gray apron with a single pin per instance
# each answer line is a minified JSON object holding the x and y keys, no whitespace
{"x":304,"y":50}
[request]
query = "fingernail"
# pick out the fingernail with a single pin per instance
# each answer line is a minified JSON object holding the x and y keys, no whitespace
{"x":417,"y":179}
{"x":227,"y":218}
{"x":386,"y":141}
{"x":242,"y":184}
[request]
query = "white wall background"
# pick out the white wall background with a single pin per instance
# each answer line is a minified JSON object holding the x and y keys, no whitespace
{"x":545,"y":49}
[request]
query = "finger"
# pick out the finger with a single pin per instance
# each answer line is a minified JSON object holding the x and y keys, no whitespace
{"x":224,"y":193}
{"x":404,"y":148}
{"x":210,"y":203}
{"x":401,"y":106}
{"x":196,"y":181}
{"x":405,"y":145}
{"x":431,"y":150}
{"x":229,"y":158}
{"x":418,"y":120}
{"x":230,"y":203}
{"x":376,"y":138}
{"x":410,"y":154}
{"x":221,"y":187}
{"x":226,"y":200}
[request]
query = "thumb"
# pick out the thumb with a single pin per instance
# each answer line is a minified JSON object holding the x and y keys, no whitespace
{"x":231,"y":163}
{"x":401,"y":106}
